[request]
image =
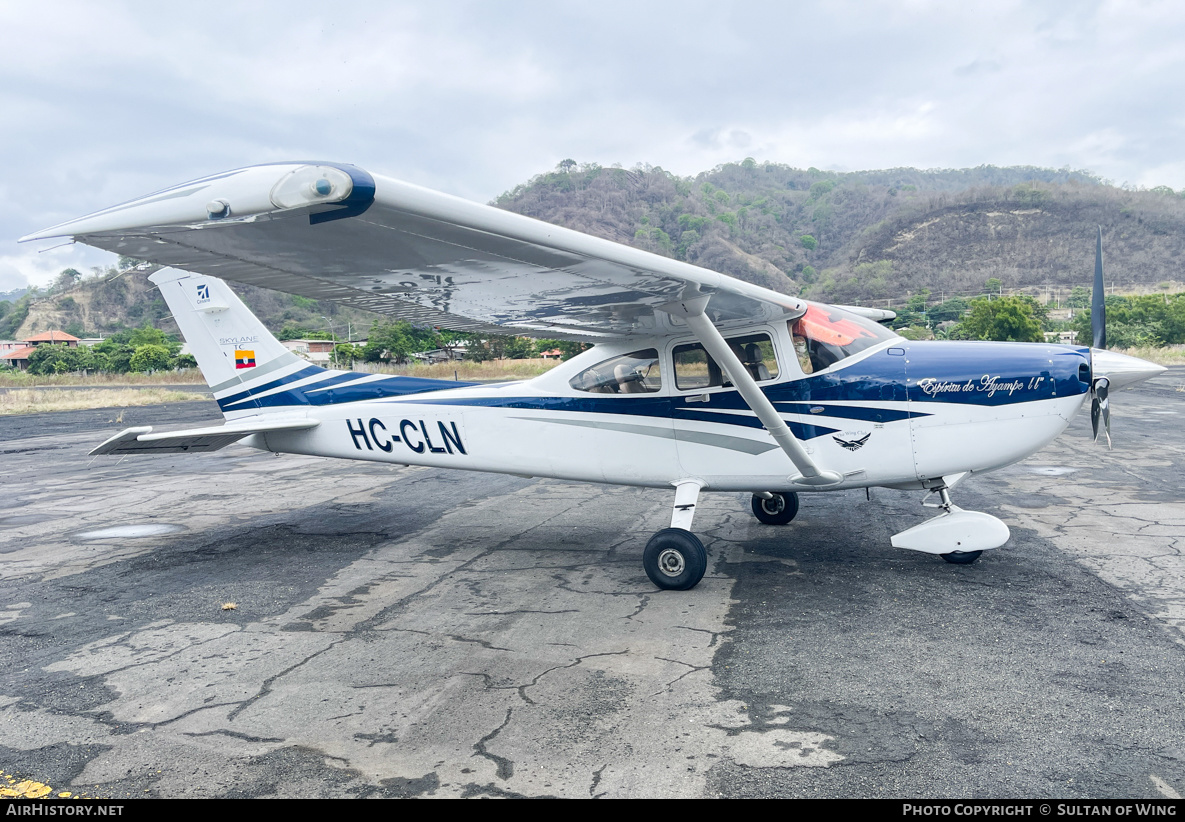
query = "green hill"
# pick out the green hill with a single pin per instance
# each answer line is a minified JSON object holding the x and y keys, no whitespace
{"x":859,"y":237}
{"x":873,"y":235}
{"x":108,"y":301}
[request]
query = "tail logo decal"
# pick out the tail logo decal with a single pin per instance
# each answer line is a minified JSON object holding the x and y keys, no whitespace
{"x":244,"y":359}
{"x":203,"y":293}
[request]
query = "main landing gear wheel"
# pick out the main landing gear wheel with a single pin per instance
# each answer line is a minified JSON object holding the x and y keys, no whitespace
{"x":776,"y":511}
{"x":961,"y":557}
{"x":675,"y":559}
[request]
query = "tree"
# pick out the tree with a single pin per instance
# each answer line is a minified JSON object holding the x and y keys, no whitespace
{"x":519,"y":348}
{"x":820,"y":188}
{"x":993,"y":286}
{"x":59,"y":359}
{"x":1007,"y":318}
{"x":294,"y":331}
{"x":150,"y":358}
{"x":915,"y":332}
{"x":918,"y":301}
{"x":808,"y":242}
{"x":567,"y":348}
{"x":566,"y":166}
{"x":346,"y":354}
{"x":1149,"y":319}
{"x":1079,"y":297}
{"x":952,"y":309}
{"x":389,"y":342}
{"x":148,"y":335}
{"x":397,"y":341}
{"x":14,"y":318}
{"x":67,"y":279}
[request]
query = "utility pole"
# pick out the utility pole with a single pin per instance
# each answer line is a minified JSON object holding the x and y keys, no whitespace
{"x":332,"y":339}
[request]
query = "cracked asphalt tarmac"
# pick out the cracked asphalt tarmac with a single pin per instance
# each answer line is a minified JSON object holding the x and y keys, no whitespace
{"x":419,"y":632}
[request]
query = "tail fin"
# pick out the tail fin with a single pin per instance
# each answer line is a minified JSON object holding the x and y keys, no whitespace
{"x":233,"y":349}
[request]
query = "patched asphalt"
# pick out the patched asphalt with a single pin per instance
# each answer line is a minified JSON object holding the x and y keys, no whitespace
{"x":419,"y":632}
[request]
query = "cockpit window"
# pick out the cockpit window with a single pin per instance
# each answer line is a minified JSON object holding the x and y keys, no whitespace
{"x":633,"y":373}
{"x":824,"y":335}
{"x":694,"y":369}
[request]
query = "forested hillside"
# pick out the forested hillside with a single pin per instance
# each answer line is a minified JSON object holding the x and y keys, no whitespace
{"x":121,"y":297}
{"x":874,"y":235}
{"x":861,"y":237}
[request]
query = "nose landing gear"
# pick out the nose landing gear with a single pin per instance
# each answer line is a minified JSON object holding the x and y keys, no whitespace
{"x":775,"y":508}
{"x":958,"y":536}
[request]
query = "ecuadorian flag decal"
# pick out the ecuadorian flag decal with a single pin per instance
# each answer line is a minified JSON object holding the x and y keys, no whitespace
{"x":244,"y":359}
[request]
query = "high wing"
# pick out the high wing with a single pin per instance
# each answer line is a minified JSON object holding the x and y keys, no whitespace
{"x":335,"y":232}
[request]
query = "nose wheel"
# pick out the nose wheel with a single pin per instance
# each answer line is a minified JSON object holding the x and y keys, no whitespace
{"x":774,"y":508}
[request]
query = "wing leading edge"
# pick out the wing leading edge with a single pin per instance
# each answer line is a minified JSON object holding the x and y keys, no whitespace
{"x":335,"y":232}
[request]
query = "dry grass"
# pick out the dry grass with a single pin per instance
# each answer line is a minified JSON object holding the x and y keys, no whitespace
{"x":1172,"y":355}
{"x":489,"y":370}
{"x":32,"y":401}
{"x":22,"y":379}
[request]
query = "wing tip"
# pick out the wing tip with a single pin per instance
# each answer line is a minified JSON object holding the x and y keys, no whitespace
{"x":44,"y":234}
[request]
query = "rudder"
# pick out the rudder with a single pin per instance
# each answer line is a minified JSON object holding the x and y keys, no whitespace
{"x":232,"y":347}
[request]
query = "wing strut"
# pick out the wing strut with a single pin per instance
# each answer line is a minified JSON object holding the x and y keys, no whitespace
{"x":692,"y":310}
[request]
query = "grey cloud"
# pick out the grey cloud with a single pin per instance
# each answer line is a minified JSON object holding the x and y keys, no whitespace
{"x":105,"y":104}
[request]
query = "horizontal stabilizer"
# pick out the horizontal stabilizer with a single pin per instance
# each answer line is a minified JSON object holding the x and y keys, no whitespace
{"x":193,"y":440}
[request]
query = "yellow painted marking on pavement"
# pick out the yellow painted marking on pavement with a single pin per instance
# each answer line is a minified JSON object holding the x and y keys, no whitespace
{"x":15,"y":788}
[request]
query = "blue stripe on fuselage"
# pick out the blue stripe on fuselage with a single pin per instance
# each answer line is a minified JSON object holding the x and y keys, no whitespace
{"x":337,"y":388}
{"x":641,"y":406}
{"x":304,"y":373}
{"x":996,"y":373}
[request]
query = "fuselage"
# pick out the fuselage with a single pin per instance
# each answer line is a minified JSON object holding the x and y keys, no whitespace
{"x":898,"y":413}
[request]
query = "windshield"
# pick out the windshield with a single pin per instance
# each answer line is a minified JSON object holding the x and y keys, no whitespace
{"x":824,"y":335}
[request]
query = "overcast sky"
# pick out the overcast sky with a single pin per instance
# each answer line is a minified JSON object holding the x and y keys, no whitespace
{"x":104,"y":101}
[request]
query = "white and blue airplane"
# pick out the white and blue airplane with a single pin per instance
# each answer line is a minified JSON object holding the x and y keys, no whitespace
{"x":695,"y":382}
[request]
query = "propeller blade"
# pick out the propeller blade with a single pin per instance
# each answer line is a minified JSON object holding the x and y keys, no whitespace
{"x":1105,"y":407}
{"x":1100,"y":408}
{"x":1098,"y":307}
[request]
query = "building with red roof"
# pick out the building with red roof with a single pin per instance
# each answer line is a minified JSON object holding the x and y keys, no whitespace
{"x":52,"y":337}
{"x":19,"y":357}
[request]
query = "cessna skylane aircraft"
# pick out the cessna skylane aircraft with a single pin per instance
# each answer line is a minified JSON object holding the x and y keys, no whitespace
{"x":696,"y":381}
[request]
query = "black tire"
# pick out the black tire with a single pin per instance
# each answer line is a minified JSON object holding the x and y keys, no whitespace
{"x":675,"y":560}
{"x":777,"y":511}
{"x":961,"y":557}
